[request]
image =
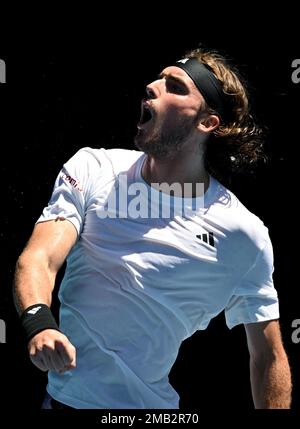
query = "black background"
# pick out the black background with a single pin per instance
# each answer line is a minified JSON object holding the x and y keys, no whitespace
{"x":83,"y":88}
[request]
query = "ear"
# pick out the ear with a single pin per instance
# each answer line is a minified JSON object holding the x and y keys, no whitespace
{"x":208,"y":124}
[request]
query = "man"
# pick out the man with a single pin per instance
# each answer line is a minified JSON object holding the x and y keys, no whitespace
{"x":152,"y":256}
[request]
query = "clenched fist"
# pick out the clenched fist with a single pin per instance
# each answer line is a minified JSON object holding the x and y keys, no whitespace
{"x":51,"y":350}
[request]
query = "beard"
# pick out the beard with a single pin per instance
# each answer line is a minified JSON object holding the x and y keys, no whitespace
{"x":162,"y":144}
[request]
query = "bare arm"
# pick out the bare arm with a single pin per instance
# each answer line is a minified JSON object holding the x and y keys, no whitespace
{"x":269,"y":368}
{"x":35,"y":275}
{"x":40,"y":261}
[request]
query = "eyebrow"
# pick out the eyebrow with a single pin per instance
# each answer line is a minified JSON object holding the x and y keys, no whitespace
{"x":172,"y":77}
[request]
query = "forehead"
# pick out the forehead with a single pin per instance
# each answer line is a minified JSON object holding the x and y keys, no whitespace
{"x":180,"y":74}
{"x":176,"y":72}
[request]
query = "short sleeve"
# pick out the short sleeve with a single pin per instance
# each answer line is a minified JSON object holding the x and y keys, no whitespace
{"x":71,"y":191}
{"x":255,"y":299}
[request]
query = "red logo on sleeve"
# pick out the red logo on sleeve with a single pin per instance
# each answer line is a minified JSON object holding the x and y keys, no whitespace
{"x":75,"y":183}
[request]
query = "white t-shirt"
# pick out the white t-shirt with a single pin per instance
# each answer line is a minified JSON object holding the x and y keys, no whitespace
{"x":136,"y":287}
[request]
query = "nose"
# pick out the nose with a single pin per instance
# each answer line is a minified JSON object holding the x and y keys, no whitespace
{"x":155,"y":88}
{"x":150,"y":91}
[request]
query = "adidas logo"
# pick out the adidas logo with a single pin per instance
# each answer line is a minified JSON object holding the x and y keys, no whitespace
{"x":183,"y":61}
{"x":34,"y":310}
{"x":207,"y":238}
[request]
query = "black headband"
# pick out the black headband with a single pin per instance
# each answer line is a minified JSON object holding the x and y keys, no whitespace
{"x":207,"y":83}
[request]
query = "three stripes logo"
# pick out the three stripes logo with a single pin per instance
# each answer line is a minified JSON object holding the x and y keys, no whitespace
{"x":34,"y":310}
{"x":207,"y":238}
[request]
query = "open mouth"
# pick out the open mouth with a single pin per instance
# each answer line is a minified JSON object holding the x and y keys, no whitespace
{"x":146,"y":113}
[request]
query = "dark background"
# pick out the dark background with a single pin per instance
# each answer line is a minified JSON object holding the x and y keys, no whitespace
{"x":84,"y":89}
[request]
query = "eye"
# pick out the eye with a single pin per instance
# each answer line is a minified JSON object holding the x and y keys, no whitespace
{"x":175,"y":87}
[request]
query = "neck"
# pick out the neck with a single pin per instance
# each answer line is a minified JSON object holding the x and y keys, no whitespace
{"x":183,"y":167}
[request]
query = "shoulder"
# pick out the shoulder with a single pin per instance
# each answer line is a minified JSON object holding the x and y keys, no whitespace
{"x":247,"y":223}
{"x":92,"y":158}
{"x":122,"y":159}
{"x":245,"y":231}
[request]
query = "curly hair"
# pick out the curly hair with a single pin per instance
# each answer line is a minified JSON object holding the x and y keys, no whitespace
{"x":236,"y":146}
